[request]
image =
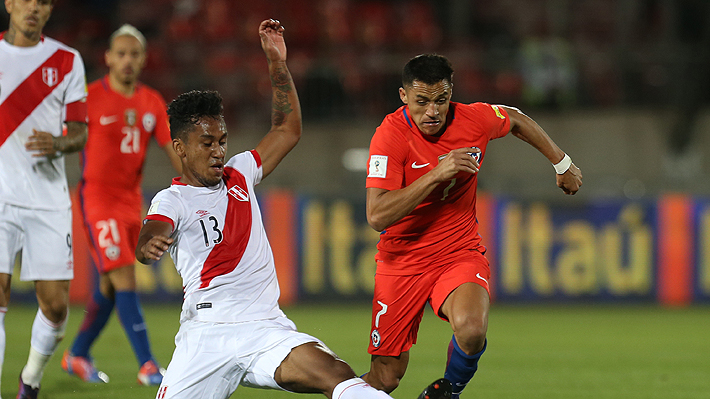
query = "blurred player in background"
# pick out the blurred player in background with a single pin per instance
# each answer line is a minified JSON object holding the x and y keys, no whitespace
{"x":42,"y":85}
{"x":232,"y":330}
{"x":123,"y":115}
{"x":421,"y":194}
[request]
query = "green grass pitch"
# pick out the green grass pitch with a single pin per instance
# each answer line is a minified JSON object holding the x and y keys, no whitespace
{"x":551,"y":351}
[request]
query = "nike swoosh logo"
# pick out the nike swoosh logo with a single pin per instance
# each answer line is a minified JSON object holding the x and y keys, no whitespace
{"x":479,"y":276}
{"x":107,"y":120}
{"x":415,"y":166}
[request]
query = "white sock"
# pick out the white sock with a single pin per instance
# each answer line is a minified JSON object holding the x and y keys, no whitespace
{"x":46,"y":336}
{"x":3,"y":310}
{"x":357,"y":388}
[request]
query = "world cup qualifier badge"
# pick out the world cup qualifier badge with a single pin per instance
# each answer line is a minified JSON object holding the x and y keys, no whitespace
{"x":375,"y":338}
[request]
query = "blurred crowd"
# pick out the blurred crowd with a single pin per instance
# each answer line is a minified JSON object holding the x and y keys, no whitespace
{"x":346,"y":55}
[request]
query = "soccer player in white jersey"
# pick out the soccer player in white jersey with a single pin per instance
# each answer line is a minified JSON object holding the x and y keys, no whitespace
{"x":232,"y":330}
{"x":42,"y":85}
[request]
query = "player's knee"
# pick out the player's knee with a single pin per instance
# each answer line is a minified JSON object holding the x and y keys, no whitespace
{"x":55,"y":309}
{"x":391,"y":382}
{"x":470,"y":332}
{"x":387,"y":380}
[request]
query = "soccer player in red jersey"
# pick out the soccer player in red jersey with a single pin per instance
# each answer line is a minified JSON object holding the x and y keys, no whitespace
{"x":42,"y":86}
{"x":123,"y":115}
{"x":421,"y":194}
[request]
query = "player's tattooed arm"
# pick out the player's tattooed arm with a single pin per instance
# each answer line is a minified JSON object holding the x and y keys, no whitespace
{"x":285,"y":109}
{"x":153,"y":241}
{"x":75,"y":140}
{"x":47,"y":145}
{"x":282,"y":85}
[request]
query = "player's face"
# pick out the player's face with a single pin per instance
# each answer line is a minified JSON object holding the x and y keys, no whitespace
{"x":125,"y":59}
{"x":428,"y":104}
{"x":28,"y":17}
{"x":203,"y":153}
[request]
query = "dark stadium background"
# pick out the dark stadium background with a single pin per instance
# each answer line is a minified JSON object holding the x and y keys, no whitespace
{"x":621,"y":85}
{"x":600,"y":295}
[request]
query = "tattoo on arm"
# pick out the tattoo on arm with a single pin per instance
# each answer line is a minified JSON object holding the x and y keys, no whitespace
{"x":281,"y":105}
{"x":74,"y":141}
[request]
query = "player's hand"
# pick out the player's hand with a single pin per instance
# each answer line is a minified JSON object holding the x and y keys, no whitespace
{"x":156,"y":247}
{"x":571,"y":180}
{"x":43,"y":143}
{"x":271,"y":33}
{"x":458,"y":160}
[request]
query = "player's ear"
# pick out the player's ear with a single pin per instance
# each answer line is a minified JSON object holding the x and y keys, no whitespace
{"x":403,"y":95}
{"x":106,"y":56}
{"x":179,"y":147}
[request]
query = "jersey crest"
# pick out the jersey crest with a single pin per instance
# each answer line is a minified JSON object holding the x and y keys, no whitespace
{"x":50,"y":76}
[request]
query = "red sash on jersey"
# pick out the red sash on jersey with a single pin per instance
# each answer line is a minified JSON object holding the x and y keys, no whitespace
{"x":226,"y":255}
{"x":30,"y":93}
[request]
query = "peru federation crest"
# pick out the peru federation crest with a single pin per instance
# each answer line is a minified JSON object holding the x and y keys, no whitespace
{"x":50,"y":76}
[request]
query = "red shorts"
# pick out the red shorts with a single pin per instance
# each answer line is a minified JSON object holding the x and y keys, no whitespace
{"x":112,"y":230}
{"x":399,"y":301}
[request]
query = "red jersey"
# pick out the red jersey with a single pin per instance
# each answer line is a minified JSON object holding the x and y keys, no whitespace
{"x":443,"y":226}
{"x":120,"y":128}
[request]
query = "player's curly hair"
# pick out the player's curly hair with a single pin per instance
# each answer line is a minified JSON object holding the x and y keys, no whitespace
{"x":428,"y":69}
{"x":185,"y":111}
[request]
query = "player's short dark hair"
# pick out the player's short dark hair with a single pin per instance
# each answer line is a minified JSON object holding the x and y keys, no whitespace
{"x":185,"y":111}
{"x":428,"y":69}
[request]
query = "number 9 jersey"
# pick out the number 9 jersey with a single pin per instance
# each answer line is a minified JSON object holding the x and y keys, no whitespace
{"x":220,"y":247}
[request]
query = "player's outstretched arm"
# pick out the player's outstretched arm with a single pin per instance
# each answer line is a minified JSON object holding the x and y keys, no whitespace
{"x":153,"y":241}
{"x":48,"y":145}
{"x":386,"y":207}
{"x":285,"y":109}
{"x":526,"y":129}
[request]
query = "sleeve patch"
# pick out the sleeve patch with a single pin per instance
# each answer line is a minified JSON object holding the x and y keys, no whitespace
{"x":153,"y":207}
{"x":497,"y":110}
{"x":378,"y":166}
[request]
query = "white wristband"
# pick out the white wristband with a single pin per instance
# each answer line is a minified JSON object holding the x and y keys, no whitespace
{"x":562,"y":166}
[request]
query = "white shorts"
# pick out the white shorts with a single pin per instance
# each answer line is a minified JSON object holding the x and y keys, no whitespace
{"x":212,"y":359}
{"x":44,"y":238}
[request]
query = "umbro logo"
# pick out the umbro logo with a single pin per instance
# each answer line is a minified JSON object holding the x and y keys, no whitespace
{"x":202,"y":213}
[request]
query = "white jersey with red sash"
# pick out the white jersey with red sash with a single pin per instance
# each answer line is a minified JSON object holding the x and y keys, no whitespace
{"x":36,"y":84}
{"x":220,"y":248}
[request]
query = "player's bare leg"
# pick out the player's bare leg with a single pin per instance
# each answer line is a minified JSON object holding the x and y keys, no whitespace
{"x":313,"y":368}
{"x":386,"y":371}
{"x":466,"y":308}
